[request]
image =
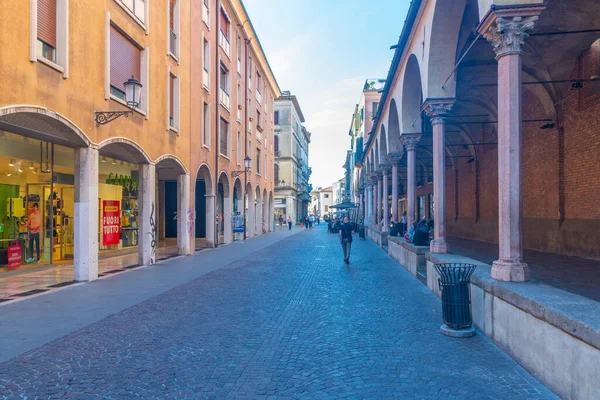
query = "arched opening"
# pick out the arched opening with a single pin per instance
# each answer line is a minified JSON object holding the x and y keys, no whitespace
{"x":175,"y":218}
{"x":393,"y":136}
{"x":271,"y":210}
{"x":47,"y":176}
{"x":204,"y":200}
{"x":267,"y":218}
{"x":412,"y":97}
{"x":237,"y":209}
{"x":249,"y":222}
{"x":127,"y":191}
{"x":223,"y":210}
{"x":257,"y":212}
{"x":383,"y":152}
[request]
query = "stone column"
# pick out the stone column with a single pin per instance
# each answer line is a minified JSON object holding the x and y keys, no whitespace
{"x":379,"y":200}
{"x":185,"y":215}
{"x":369,"y":210}
{"x":385,"y":170}
{"x":147,"y":239}
{"x":437,"y":110}
{"x":394,"y":159}
{"x":210,"y":218}
{"x":410,"y":142}
{"x":506,"y":29}
{"x":86,"y":214}
{"x":227,"y":211}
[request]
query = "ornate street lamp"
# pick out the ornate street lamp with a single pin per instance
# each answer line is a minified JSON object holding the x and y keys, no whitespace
{"x":235,"y":174}
{"x":133,"y":95}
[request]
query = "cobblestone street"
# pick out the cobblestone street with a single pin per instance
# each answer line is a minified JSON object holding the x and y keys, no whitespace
{"x":289,"y":321}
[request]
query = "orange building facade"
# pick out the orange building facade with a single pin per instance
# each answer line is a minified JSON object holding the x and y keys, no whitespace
{"x":158,"y":173}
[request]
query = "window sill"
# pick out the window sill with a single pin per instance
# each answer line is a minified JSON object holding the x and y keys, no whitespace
{"x":137,"y":110}
{"x":206,"y":23}
{"x":206,"y":88}
{"x":225,"y":107}
{"x":132,"y":15}
{"x":225,"y":157}
{"x":51,"y":64}
{"x":173,"y":56}
{"x":173,"y":129}
{"x":205,"y":146}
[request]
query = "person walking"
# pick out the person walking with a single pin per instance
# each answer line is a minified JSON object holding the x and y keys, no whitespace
{"x":311,"y":220}
{"x":280,"y":222}
{"x":346,"y":231}
{"x":289,"y":221}
{"x":33,"y":223}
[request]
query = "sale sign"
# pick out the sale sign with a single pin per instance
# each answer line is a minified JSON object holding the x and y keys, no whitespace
{"x":111,"y":222}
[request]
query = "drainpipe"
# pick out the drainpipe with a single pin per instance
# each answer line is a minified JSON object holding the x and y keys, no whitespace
{"x":217,"y":125}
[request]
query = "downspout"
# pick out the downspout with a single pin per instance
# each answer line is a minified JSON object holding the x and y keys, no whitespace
{"x":217,"y":143}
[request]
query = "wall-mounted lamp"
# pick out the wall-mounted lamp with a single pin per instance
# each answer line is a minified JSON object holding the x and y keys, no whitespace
{"x":133,"y":95}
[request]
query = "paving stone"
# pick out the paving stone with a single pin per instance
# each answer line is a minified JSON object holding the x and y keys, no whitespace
{"x":289,"y":322}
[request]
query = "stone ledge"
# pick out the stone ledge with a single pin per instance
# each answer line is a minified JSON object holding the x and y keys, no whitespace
{"x":571,"y":313}
{"x":419,"y":250}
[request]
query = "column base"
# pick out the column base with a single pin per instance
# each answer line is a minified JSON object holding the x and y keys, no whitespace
{"x":507,"y":271}
{"x":438,"y":246}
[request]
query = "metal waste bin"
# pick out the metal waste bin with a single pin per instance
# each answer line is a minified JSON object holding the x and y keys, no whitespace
{"x":456,"y":298}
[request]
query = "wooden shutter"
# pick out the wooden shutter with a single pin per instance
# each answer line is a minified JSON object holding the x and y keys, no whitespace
{"x":46,"y":18}
{"x":124,"y":59}
{"x":172,"y":14}
{"x":224,"y":129}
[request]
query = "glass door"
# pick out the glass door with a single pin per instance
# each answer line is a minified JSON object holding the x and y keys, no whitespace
{"x":65,"y":210}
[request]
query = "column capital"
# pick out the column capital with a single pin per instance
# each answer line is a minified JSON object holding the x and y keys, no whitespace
{"x":410,"y":140}
{"x":438,"y":109}
{"x":507,"y":27}
{"x":394,"y":158}
{"x":385,"y":168}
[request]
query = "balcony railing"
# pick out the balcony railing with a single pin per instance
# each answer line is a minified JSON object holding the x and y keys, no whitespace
{"x":173,"y":42}
{"x":224,"y":43}
{"x":224,"y":98}
{"x":258,"y":96}
{"x":205,"y":14}
{"x":205,"y":80}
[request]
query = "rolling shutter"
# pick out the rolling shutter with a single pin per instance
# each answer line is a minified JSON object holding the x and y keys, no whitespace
{"x":124,"y":59}
{"x":224,"y":24}
{"x":46,"y":29}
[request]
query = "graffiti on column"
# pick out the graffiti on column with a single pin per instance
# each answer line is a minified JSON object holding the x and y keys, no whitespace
{"x":190,"y":221}
{"x":152,"y":236}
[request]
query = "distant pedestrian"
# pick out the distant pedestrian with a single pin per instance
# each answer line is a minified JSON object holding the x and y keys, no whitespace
{"x":289,"y":221}
{"x":403,"y":223}
{"x":280,"y":222}
{"x":346,"y":231}
{"x":311,"y":220}
{"x":306,"y":222}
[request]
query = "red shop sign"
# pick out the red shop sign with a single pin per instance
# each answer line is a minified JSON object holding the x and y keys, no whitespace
{"x":14,"y":255}
{"x":111,"y":222}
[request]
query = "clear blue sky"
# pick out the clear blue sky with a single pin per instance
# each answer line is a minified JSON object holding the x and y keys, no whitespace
{"x":322,"y":51}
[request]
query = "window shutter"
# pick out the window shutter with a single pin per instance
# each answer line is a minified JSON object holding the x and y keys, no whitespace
{"x":224,"y":128}
{"x":172,"y":14}
{"x":223,"y":24}
{"x":46,"y":29}
{"x":124,"y":59}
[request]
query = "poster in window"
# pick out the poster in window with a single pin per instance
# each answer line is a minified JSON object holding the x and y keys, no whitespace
{"x":111,"y":222}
